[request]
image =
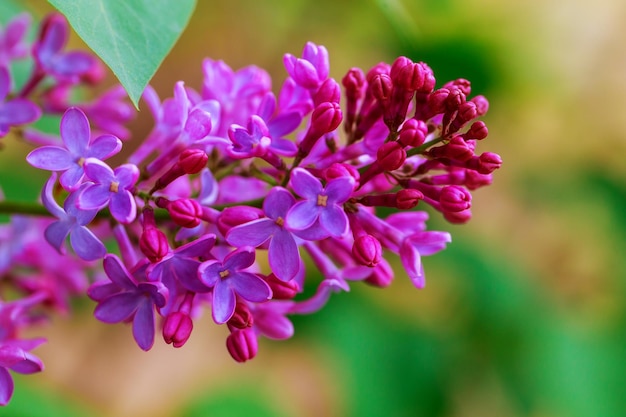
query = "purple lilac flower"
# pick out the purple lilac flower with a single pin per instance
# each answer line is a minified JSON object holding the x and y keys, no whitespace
{"x":49,"y":55}
{"x":284,"y":257}
{"x":310,"y":70}
{"x":78,"y":146}
{"x":321,"y":208}
{"x":72,"y":222}
{"x":229,"y":279}
{"x":14,"y":352}
{"x":16,"y":111}
{"x":112,"y":187}
{"x":126,"y":297}
{"x":12,"y":45}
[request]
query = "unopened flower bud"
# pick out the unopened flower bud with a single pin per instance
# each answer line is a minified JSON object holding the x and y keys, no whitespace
{"x":338,"y":170}
{"x":193,"y":161}
{"x":406,"y":74}
{"x":454,"y":198}
{"x":437,"y":100}
{"x":382,"y":87}
{"x":177,"y":328}
{"x":367,"y":250}
{"x":242,"y":344}
{"x":153,"y":242}
{"x":282,"y":290}
{"x":467,"y":111}
{"x":242,"y":317}
{"x":185,"y":212}
{"x":391,"y":156}
{"x":488,"y":162}
{"x":329,"y":91}
{"x":325,"y":118}
{"x":482,"y":105}
{"x":407,"y":198}
{"x":458,"y":217}
{"x":353,"y":82}
{"x":236,"y":215}
{"x":382,"y":275}
{"x":413,"y":133}
{"x":477,"y":131}
{"x":456,"y":149}
{"x":461,"y":84}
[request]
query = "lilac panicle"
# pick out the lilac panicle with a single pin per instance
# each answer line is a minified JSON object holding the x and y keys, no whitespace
{"x":78,"y":146}
{"x":72,"y":222}
{"x":284,"y":257}
{"x":16,"y":111}
{"x":229,"y":278}
{"x":129,"y":298}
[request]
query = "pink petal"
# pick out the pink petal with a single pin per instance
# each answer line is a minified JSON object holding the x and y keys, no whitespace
{"x":223,"y":302}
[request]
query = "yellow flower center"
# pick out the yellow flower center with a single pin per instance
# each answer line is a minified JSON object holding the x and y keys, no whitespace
{"x":114,"y":186}
{"x":81,"y":161}
{"x":321,"y":200}
{"x":224,"y":274}
{"x":280,"y":221}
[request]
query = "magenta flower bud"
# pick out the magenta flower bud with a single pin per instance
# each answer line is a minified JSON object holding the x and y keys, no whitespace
{"x":477,"y":131}
{"x":353,"y":82}
{"x":177,"y":329}
{"x":467,"y":111}
{"x":329,"y":91}
{"x":413,"y":133}
{"x":456,"y":149}
{"x":458,"y":217}
{"x":382,"y":87}
{"x":153,"y":243}
{"x":488,"y":162}
{"x":242,"y":317}
{"x":437,"y":100}
{"x":460,"y":84}
{"x":325,"y":118}
{"x":454,"y":198}
{"x":429,"y":79}
{"x":338,"y":170}
{"x":407,"y":198}
{"x":367,"y":250}
{"x":474,"y":180}
{"x":236,"y":215}
{"x":391,"y":156}
{"x":185,"y":212}
{"x":192,"y":161}
{"x":408,"y":75}
{"x":482,"y":105}
{"x":242,"y":344}
{"x":454,"y":100}
{"x":380,"y":68}
{"x":282,"y":290}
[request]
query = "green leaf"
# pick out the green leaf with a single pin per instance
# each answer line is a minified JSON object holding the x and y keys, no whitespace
{"x":131,"y":37}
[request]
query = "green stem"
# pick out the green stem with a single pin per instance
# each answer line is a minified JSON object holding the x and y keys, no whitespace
{"x":20,"y":207}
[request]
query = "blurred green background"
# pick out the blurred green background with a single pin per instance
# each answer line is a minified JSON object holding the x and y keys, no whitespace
{"x":522,"y":316}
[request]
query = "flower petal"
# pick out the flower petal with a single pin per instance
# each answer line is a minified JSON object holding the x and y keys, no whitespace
{"x":86,"y":245}
{"x":277,"y":203}
{"x":123,"y":207}
{"x":6,"y":386}
{"x":339,"y":190}
{"x":75,"y":131}
{"x":93,"y":197}
{"x":223,"y":302}
{"x":302,"y":215}
{"x":252,"y":233}
{"x":241,"y":258}
{"x":51,"y":158}
{"x":334,"y":220}
{"x":118,"y":307}
{"x":250,"y":287}
{"x":104,"y":147}
{"x":98,"y":171}
{"x":56,"y":233}
{"x":284,"y":257}
{"x":117,"y":273}
{"x":305,"y":184}
{"x":143,"y":325}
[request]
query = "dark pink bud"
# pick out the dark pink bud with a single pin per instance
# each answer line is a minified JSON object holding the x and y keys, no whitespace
{"x":391,"y":156}
{"x":458,"y":217}
{"x":407,"y":198}
{"x":456,"y":149}
{"x":329,"y":91}
{"x":482,"y":105}
{"x":413,"y":133}
{"x":353,"y":82}
{"x":488,"y":162}
{"x":367,"y":250}
{"x":474,"y":180}
{"x":193,"y":161}
{"x":236,"y":215}
{"x":242,"y":344}
{"x":338,"y":170}
{"x":185,"y":212}
{"x":242,"y":317}
{"x":382,"y":87}
{"x":437,"y":100}
{"x":477,"y":131}
{"x":177,"y":328}
{"x":382,"y":275}
{"x":380,"y":68}
{"x":460,"y":83}
{"x":282,"y":290}
{"x":326,"y":117}
{"x":429,"y":79}
{"x":454,"y":198}
{"x":406,"y":74}
{"x":467,"y":111}
{"x":153,"y":242}
{"x":454,"y":100}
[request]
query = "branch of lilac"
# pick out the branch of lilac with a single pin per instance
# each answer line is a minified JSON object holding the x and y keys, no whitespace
{"x":214,"y":209}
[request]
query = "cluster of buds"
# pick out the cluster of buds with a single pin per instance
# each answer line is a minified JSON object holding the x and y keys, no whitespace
{"x":215,"y":208}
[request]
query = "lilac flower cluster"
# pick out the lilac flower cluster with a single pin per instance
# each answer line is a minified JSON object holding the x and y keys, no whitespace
{"x":239,"y":195}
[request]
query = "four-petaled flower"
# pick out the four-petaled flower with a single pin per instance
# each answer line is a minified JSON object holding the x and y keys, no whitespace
{"x":16,"y":111}
{"x":283,"y":254}
{"x":229,"y":279}
{"x":78,"y":146}
{"x":112,"y":187}
{"x":320,"y":213}
{"x":126,"y":297}
{"x":72,"y":222}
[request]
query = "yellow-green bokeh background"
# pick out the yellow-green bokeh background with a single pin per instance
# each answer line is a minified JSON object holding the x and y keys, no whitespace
{"x":523,"y":315}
